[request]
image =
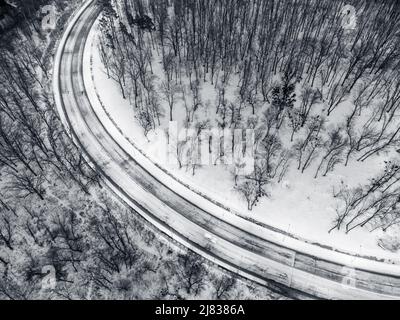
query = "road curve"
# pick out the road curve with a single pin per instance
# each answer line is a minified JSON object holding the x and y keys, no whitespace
{"x":232,"y":247}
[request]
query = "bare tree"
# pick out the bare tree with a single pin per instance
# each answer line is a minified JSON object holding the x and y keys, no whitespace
{"x":170,"y":92}
{"x":223,"y":286}
{"x":334,"y":148}
{"x":25,"y":184}
{"x":191,"y":271}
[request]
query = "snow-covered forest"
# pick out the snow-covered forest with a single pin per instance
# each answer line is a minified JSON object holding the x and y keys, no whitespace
{"x":309,"y":90}
{"x":57,"y":222}
{"x":319,"y":84}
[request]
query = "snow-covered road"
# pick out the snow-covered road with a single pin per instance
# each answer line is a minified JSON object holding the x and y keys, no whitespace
{"x":221,"y":238}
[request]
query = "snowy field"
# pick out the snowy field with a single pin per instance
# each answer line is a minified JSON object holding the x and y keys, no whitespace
{"x":299,"y":205}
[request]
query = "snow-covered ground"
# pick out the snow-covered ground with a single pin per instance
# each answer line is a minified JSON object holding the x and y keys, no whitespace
{"x":300,"y":205}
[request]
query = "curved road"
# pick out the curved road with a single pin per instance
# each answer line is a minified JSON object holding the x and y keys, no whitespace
{"x":250,"y":255}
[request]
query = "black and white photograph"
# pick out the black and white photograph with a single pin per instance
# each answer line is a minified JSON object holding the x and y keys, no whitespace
{"x":199,"y":150}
